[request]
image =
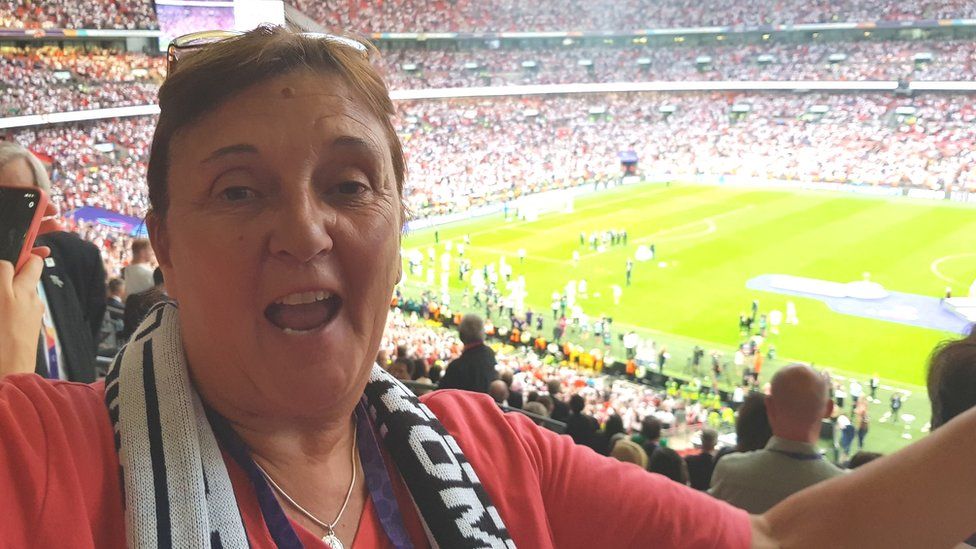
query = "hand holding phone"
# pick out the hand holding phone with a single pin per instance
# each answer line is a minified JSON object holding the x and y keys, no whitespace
{"x":21,"y":211}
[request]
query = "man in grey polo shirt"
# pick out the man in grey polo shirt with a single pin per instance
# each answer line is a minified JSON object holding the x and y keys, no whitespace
{"x":790,"y":462}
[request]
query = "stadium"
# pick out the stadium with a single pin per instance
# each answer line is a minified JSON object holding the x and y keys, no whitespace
{"x":652,"y":207}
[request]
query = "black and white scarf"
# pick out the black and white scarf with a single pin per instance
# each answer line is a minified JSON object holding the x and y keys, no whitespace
{"x":176,"y":486}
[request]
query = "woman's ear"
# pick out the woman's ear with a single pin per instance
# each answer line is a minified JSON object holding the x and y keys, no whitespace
{"x":159,"y":239}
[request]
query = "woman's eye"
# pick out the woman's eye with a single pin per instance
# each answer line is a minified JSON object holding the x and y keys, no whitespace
{"x":351,"y":188}
{"x":235,"y":194}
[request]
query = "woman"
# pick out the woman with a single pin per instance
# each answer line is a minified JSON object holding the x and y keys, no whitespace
{"x":253,"y":415}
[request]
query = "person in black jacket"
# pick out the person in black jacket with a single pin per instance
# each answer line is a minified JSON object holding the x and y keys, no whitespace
{"x":701,"y":465}
{"x":580,"y":427}
{"x":474,"y":370}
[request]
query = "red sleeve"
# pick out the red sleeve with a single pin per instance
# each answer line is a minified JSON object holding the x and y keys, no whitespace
{"x":588,"y":500}
{"x":59,"y":479}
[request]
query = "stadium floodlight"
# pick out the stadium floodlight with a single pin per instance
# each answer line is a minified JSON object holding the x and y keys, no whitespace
{"x":837,"y":57}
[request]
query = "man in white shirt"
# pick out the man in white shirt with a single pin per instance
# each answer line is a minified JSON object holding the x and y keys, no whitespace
{"x":139,"y":274}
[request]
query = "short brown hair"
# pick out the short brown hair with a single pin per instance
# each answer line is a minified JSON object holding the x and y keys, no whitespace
{"x":952,"y":379}
{"x":140,"y":245}
{"x":207,"y":78}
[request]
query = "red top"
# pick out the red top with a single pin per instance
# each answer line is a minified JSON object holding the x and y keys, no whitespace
{"x":59,"y":481}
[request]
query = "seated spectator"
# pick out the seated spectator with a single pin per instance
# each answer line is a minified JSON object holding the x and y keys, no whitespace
{"x":137,"y":305}
{"x":474,"y":370}
{"x":114,"y":324}
{"x":514,"y":397}
{"x":139,"y":274}
{"x":538,"y":409}
{"x":700,"y":465}
{"x":667,"y":462}
{"x":559,"y":411}
{"x":579,"y":426}
{"x":752,"y":430}
{"x":650,"y":433}
{"x":498,"y":391}
{"x":629,"y":452}
{"x":613,"y":429}
{"x":791,"y":461}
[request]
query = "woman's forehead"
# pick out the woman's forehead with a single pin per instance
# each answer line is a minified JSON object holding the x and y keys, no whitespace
{"x":296,"y":107}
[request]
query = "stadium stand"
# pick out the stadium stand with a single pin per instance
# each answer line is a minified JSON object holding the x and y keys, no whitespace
{"x":506,"y":15}
{"x":77,"y":14}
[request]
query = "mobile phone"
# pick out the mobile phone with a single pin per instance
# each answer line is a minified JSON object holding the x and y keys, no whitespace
{"x":21,"y":210}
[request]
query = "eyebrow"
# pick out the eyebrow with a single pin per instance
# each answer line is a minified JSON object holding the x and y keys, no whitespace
{"x":240,"y":148}
{"x":352,"y":142}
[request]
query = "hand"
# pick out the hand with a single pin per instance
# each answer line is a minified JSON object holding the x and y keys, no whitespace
{"x":20,"y":314}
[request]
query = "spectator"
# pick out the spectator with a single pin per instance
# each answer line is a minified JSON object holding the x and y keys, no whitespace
{"x":137,"y":305}
{"x":650,"y":432}
{"x":752,"y":430}
{"x":862,"y":458}
{"x":474,"y":370}
{"x":629,"y":452}
{"x":613,"y":429}
{"x":560,"y":411}
{"x":114,"y":324}
{"x":790,"y":462}
{"x":667,"y":462}
{"x":139,"y":274}
{"x":579,"y":426}
{"x":66,"y":348}
{"x":700,"y":465}
{"x":498,"y":391}
{"x":514,"y":397}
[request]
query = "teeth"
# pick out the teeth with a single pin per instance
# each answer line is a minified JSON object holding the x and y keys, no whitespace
{"x":302,"y":298}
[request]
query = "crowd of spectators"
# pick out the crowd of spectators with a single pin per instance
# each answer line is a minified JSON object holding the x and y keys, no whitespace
{"x":868,"y":60}
{"x":49,"y":79}
{"x":467,"y":153}
{"x":604,"y":15}
{"x":77,"y":14}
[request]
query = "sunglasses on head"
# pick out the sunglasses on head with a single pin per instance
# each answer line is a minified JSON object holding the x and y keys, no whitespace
{"x":194,"y":41}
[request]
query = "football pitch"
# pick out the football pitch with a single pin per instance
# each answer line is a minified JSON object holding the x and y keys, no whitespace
{"x":710,"y":241}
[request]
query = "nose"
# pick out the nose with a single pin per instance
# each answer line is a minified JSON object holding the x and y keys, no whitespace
{"x":303,"y":229}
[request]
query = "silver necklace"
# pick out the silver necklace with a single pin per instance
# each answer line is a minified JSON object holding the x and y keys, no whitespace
{"x":330,"y":537}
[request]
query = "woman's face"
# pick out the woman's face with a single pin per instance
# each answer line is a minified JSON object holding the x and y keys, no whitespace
{"x":281,"y":245}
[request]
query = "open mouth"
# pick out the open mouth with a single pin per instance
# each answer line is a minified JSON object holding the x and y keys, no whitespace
{"x":303,"y":312}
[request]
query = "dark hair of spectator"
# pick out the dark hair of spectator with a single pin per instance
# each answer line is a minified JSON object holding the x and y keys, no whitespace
{"x":861,"y":458}
{"x":752,"y":428}
{"x":577,"y":404}
{"x":158,"y":276}
{"x":952,"y":379}
{"x":419,"y":369}
{"x":434,"y":374}
{"x":651,"y":428}
{"x":207,"y":78}
{"x":667,"y":462}
{"x":613,"y":425}
{"x":115,"y":285}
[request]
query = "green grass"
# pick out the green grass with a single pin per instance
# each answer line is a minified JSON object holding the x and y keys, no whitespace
{"x":714,"y":239}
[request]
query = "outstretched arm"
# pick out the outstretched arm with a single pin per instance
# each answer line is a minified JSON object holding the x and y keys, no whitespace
{"x":922,"y":496}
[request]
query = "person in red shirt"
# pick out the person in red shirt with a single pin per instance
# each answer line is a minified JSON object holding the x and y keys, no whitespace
{"x":252,"y":414}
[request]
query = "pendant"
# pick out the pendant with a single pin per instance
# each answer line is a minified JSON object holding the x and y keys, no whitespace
{"x":332,"y":541}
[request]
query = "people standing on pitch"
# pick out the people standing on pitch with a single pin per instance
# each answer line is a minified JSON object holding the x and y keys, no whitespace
{"x":576,"y":258}
{"x":874,"y":384}
{"x":521,"y":255}
{"x":861,"y":420}
{"x":895,"y":406}
{"x":799,"y":399}
{"x":630,"y":270}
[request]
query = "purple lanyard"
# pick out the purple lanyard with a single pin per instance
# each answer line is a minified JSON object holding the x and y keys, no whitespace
{"x":374,"y":470}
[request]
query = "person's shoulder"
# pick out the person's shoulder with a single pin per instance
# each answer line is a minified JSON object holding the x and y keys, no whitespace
{"x":38,"y":393}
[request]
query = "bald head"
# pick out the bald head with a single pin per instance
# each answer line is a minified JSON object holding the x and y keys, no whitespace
{"x":799,"y":398}
{"x":498,"y":391}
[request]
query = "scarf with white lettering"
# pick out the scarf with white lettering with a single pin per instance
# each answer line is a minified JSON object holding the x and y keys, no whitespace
{"x":176,"y":486}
